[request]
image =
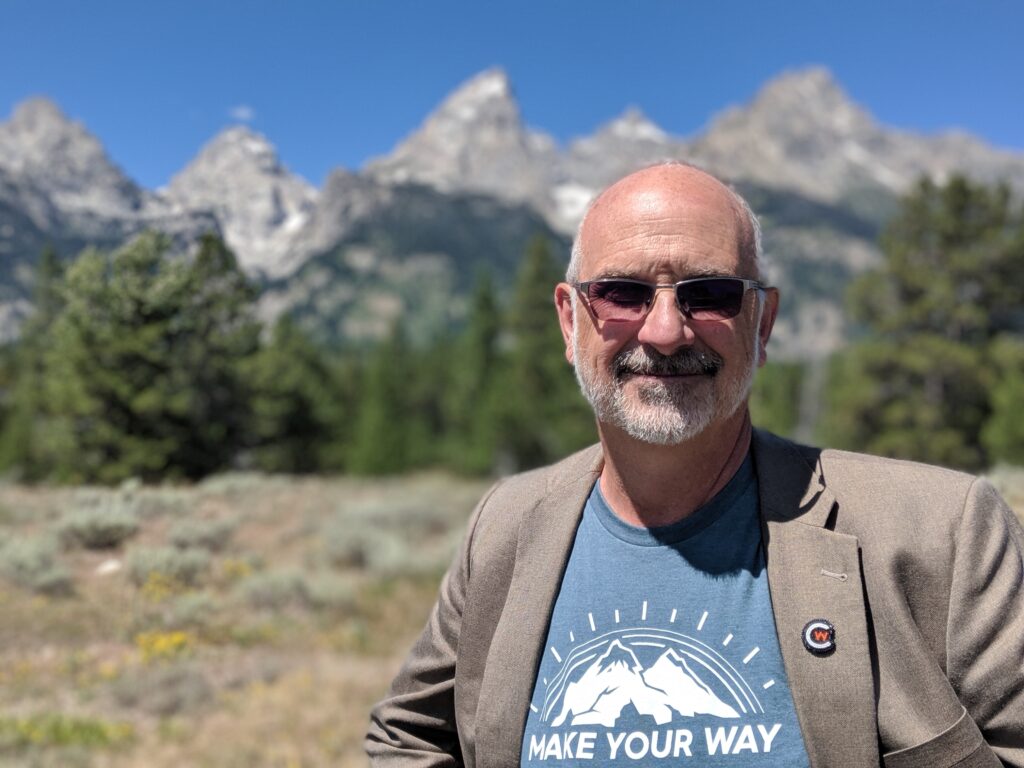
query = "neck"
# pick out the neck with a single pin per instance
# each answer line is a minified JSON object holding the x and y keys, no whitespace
{"x":654,"y":485}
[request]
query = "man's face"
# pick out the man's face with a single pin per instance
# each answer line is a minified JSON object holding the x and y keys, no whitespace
{"x":673,"y":397}
{"x":666,"y":378}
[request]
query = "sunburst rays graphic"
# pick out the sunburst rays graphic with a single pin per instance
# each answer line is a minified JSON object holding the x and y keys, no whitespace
{"x":636,"y":656}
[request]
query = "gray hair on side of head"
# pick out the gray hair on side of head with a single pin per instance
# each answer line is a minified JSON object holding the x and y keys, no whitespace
{"x":750,"y":248}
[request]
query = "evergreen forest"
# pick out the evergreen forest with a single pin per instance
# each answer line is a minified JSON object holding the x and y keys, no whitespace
{"x":136,"y":365}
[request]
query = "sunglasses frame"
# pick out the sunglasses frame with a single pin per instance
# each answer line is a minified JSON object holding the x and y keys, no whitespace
{"x":584,"y":288}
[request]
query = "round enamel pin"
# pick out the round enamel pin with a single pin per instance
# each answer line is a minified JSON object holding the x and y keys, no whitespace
{"x":819,"y":637}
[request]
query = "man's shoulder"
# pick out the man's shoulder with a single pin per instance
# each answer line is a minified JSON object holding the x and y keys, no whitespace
{"x":840,"y":469}
{"x":544,"y":480}
{"x":880,"y":471}
{"x":515,"y":495}
{"x":883,"y":499}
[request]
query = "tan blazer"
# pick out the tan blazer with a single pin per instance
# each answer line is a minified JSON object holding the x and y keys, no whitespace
{"x":919,"y":569}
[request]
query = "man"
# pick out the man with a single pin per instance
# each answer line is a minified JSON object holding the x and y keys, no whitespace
{"x":694,"y":591}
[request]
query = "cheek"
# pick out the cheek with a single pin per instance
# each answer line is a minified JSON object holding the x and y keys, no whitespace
{"x":605,"y":343}
{"x":722,"y":337}
{"x":735,"y":342}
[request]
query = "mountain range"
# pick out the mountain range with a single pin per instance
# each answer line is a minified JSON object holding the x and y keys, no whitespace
{"x":407,"y":233}
{"x":617,"y":679}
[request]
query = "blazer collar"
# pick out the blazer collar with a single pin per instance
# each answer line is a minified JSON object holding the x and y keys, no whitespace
{"x":791,"y":480}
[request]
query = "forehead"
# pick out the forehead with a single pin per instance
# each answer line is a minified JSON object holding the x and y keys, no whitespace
{"x":680,"y":226}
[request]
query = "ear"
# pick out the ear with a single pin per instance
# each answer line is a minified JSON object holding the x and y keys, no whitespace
{"x":563,"y":304}
{"x":764,"y":330}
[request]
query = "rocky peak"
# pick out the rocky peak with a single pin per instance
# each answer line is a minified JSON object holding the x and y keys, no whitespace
{"x":622,"y":145}
{"x":813,"y":97}
{"x":813,"y":85}
{"x":63,"y":159}
{"x":235,"y":149}
{"x":474,"y":141}
{"x":38,"y":116}
{"x":485,"y":97}
{"x":634,"y":125}
{"x":259,"y":203}
{"x":802,"y":132}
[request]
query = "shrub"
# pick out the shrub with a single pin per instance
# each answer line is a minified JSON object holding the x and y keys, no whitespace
{"x":233,"y":569}
{"x":386,"y":551}
{"x":182,"y":567}
{"x":330,"y":592}
{"x":288,"y":587}
{"x":164,"y":689}
{"x":351,"y":545}
{"x":100,"y":527}
{"x":212,"y":535}
{"x":234,"y":483}
{"x":32,"y":563}
{"x":418,"y":514}
{"x":8,"y":515}
{"x":157,"y":502}
{"x":411,"y":533}
{"x":273,"y":590}
{"x":190,"y":610}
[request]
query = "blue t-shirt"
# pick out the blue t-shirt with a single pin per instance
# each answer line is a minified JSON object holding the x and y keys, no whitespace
{"x":662,"y":647}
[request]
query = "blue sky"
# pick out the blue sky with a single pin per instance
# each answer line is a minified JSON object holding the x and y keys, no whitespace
{"x":334,"y":83}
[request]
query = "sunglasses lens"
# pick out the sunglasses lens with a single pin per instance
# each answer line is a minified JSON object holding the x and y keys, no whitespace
{"x":714,"y":298}
{"x":707,"y":298}
{"x":619,"y":299}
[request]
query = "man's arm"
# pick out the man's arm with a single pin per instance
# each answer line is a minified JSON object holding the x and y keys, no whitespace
{"x":985,"y":634}
{"x":415,"y":724}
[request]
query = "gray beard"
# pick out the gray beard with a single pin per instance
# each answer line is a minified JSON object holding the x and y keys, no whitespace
{"x":666,"y":411}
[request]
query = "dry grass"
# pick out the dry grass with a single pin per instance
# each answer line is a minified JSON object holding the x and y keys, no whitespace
{"x":271,"y":657}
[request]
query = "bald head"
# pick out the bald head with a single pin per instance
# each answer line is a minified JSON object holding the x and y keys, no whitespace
{"x":667,"y":190}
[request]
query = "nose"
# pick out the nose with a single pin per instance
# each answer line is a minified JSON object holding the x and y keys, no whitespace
{"x":665,"y":328}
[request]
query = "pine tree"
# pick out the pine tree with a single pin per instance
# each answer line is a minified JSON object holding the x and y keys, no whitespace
{"x":470,"y":397}
{"x":299,"y":406}
{"x":213,"y":333}
{"x":775,"y":397}
{"x":953,"y":259}
{"x":544,"y":416}
{"x":19,"y":441}
{"x":1003,"y":432}
{"x":924,"y":384}
{"x":380,"y":442}
{"x":142,"y":375}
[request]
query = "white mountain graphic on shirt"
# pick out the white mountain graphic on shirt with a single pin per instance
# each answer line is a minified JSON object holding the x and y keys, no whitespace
{"x":617,"y":678}
{"x":687,"y":694}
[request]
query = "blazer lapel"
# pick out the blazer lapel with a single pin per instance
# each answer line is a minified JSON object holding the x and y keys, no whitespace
{"x":546,"y":537}
{"x":814,"y":573}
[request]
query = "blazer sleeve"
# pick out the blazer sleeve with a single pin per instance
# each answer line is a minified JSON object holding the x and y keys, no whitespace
{"x":985,"y":634}
{"x":414,"y":725}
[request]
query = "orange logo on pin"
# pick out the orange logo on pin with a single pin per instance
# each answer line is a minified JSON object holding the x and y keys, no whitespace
{"x":819,"y":637}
